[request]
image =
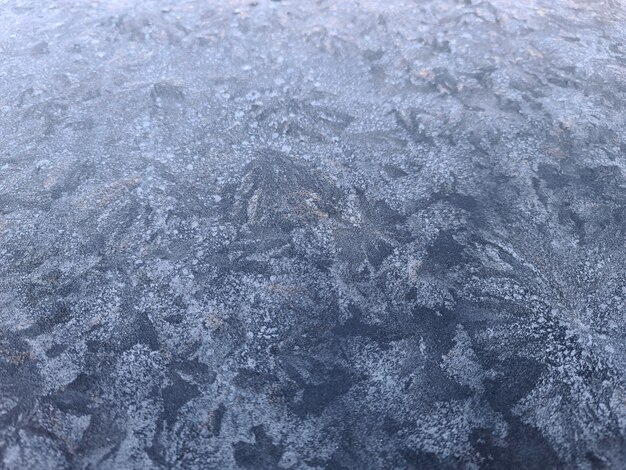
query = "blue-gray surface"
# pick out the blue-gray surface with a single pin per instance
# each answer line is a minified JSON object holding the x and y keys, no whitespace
{"x":312,"y":234}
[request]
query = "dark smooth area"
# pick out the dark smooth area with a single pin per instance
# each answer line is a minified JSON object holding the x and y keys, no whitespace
{"x":312,"y":234}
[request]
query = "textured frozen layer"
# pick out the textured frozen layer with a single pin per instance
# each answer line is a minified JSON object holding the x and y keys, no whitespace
{"x":312,"y":235}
